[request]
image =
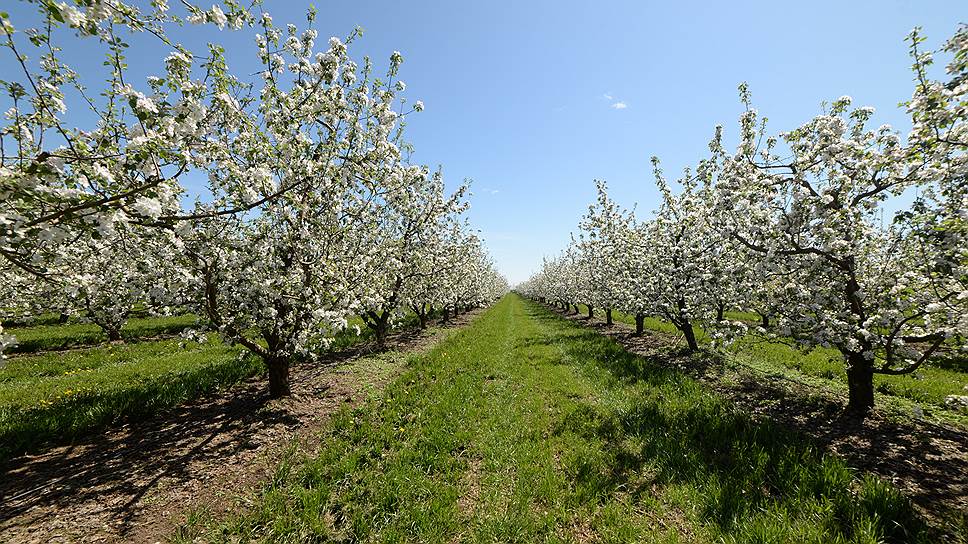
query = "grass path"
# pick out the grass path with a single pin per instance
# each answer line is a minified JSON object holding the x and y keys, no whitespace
{"x":525,"y":427}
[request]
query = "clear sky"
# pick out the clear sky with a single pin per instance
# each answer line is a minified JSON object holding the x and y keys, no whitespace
{"x":534,"y":100}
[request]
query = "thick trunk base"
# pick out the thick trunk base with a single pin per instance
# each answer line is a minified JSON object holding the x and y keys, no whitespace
{"x":639,"y":324}
{"x":860,"y":386}
{"x":608,"y":317}
{"x":690,"y":335}
{"x":380,"y":331}
{"x":278,"y":377}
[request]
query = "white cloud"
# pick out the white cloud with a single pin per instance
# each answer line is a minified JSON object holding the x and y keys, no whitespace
{"x":620,"y":105}
{"x":495,"y":191}
{"x":607,"y":96}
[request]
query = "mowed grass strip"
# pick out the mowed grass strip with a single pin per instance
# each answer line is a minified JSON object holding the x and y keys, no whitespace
{"x":55,"y":396}
{"x":927,"y":387}
{"x":68,"y":335}
{"x":525,"y":427}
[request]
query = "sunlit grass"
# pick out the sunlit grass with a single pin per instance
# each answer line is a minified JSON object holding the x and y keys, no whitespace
{"x":61,"y":336}
{"x":54,"y":396}
{"x":50,"y":397}
{"x":524,"y":427}
{"x":928,"y":385}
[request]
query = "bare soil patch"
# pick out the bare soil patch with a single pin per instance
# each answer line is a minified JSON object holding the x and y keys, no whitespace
{"x":471,"y":488}
{"x":137,"y":482}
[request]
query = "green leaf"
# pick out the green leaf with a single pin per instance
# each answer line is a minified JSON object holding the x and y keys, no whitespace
{"x":55,"y":12}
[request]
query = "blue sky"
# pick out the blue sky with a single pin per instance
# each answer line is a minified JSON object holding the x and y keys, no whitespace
{"x":523,"y":97}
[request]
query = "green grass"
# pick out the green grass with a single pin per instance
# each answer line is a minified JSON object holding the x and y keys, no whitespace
{"x":750,"y":317}
{"x":47,"y":334}
{"x":68,"y":335}
{"x":927,"y":387}
{"x":49,"y":318}
{"x":55,"y":396}
{"x":348,"y":337}
{"x":524,"y":427}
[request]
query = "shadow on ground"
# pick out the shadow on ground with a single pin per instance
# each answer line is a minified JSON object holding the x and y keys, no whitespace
{"x":135,"y":481}
{"x":928,"y":462}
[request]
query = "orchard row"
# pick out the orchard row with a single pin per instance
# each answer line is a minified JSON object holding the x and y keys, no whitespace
{"x":795,"y":227}
{"x":308,"y":210}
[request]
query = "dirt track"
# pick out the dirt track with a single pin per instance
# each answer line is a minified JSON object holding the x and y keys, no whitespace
{"x":138,"y":482}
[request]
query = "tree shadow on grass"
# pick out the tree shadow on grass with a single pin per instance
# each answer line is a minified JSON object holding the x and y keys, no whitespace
{"x":646,"y":357}
{"x":747,"y":462}
{"x":109,"y":475}
{"x":113,"y":470}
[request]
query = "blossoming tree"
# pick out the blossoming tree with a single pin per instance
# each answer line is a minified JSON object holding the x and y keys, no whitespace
{"x":815,"y":221}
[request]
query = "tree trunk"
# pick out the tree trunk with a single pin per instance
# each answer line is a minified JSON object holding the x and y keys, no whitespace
{"x":690,"y":335}
{"x":860,"y":384}
{"x":63,"y":317}
{"x":278,"y":377}
{"x":381,"y":333}
{"x":577,"y":309}
{"x":591,"y":312}
{"x":113,"y":334}
{"x":608,"y":317}
{"x":765,"y":320}
{"x":423,"y":319}
{"x":720,"y":310}
{"x":639,"y":324}
{"x":379,"y":324}
{"x":860,"y":371}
